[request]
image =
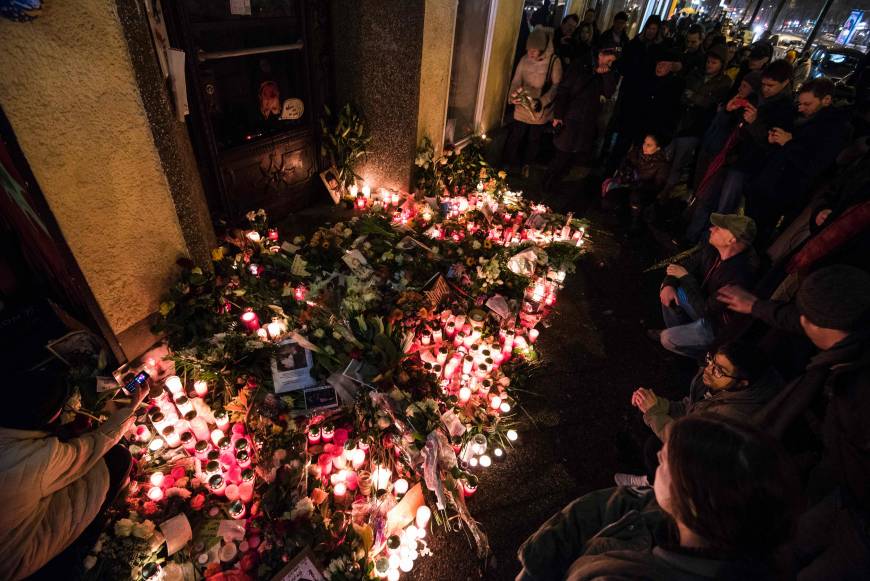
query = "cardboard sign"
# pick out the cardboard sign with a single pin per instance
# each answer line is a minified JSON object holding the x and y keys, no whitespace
{"x":301,"y":568}
{"x":177,"y":533}
{"x":436,"y":289}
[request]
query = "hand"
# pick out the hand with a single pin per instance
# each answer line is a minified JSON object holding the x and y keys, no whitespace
{"x":779,"y":136}
{"x":750,"y":114}
{"x":668,"y":296}
{"x":734,"y":103}
{"x":676,"y":270}
{"x":822,"y":216}
{"x":557,"y":122}
{"x":736,"y":299}
{"x":644,"y":399}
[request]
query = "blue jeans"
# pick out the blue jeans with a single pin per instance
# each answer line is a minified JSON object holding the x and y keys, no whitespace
{"x":686,"y":334}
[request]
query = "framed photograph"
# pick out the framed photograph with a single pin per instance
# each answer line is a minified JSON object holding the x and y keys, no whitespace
{"x":291,"y":367}
{"x":329,"y":177}
{"x":301,"y":568}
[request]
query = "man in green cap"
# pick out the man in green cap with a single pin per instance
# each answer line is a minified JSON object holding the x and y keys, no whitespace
{"x":690,"y":310}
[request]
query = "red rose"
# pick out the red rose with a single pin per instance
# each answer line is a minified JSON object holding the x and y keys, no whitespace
{"x":149,"y":508}
{"x":197,"y":501}
{"x":178,"y":472}
{"x":249,"y":561}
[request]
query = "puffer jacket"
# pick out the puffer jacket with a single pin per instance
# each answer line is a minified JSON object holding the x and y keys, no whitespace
{"x":646,"y":173}
{"x":531,"y":75}
{"x":741,"y":404}
{"x":50,"y":491}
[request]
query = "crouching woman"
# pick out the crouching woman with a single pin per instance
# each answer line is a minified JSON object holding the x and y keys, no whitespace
{"x":724,"y":500}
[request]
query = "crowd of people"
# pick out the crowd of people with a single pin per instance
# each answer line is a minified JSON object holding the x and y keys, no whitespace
{"x":762,"y":470}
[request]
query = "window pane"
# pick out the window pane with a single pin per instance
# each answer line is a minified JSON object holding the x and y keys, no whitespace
{"x":471,"y":28}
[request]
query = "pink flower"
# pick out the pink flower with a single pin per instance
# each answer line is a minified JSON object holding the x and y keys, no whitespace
{"x":178,"y":472}
{"x":168,"y":482}
{"x":197,"y":501}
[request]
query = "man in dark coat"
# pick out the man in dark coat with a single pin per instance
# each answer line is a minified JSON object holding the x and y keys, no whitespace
{"x":579,"y":99}
{"x":832,"y":396}
{"x":798,"y":157}
{"x":616,"y":34}
{"x":693,"y":59}
{"x":690,"y":310}
{"x":658,"y":108}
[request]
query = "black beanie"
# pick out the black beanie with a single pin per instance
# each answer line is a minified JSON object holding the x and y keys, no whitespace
{"x":836,"y":297}
{"x":32,"y":398}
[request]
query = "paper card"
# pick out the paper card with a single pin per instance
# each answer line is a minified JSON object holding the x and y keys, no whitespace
{"x":106,"y":384}
{"x":176,"y":532}
{"x":301,"y":568}
{"x":452,"y":423}
{"x":240,"y":7}
{"x":289,"y":248}
{"x":357,"y":263}
{"x":291,"y":367}
{"x":498,"y":305}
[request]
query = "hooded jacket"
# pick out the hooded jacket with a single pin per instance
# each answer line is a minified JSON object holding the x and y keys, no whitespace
{"x":50,"y":491}
{"x":531,"y":75}
{"x":737,"y":404}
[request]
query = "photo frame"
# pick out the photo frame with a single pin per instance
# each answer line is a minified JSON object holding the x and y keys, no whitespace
{"x":301,"y":568}
{"x":329,"y":177}
{"x":291,"y":367}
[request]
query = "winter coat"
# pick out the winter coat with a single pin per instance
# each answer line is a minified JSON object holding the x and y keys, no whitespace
{"x":707,"y":274}
{"x":693,"y":62}
{"x":647,"y":173}
{"x":789,"y":171}
{"x":531,"y":75}
{"x":752,"y":152}
{"x":50,"y":491}
{"x":836,"y":380}
{"x":702,"y":96}
{"x":737,"y":404}
{"x":579,"y":100}
{"x":657,"y":108}
{"x":610,"y":39}
{"x":618,"y":533}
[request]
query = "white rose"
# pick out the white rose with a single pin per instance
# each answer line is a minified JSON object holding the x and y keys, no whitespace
{"x":304,"y":508}
{"x":123,"y":527}
{"x":143,"y":530}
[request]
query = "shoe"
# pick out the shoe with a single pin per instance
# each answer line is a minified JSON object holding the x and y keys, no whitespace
{"x":654,"y":335}
{"x":632,"y":480}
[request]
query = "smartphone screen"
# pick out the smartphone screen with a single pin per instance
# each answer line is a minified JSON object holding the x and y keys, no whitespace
{"x":136,"y":383}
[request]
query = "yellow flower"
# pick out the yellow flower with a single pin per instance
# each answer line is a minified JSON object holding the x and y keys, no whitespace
{"x":502,"y":174}
{"x":217,"y":254}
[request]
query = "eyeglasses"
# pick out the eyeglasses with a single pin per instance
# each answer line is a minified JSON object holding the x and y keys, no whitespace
{"x":717,"y":370}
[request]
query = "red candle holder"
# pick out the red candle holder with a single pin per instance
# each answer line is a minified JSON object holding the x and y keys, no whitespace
{"x":250,"y":320}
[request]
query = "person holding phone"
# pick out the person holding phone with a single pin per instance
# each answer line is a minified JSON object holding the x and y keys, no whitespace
{"x":54,"y":491}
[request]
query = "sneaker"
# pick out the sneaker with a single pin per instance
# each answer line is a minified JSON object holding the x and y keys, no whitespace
{"x":632,"y":480}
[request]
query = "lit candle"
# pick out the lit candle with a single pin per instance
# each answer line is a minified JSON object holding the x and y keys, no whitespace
{"x":157,"y":478}
{"x":244,"y":459}
{"x":171,"y":437}
{"x":533,"y":335}
{"x":201,"y":449}
{"x":183,"y":404}
{"x":174,"y":385}
{"x":251,"y":320}
{"x":200,"y":387}
{"x":358,"y":458}
{"x":485,"y":461}
{"x":222,"y":419}
{"x":495,"y":403}
{"x":468,"y":488}
{"x":400,"y":487}
{"x":464,"y":394}
{"x":424,"y":513}
{"x":314,"y":435}
{"x":327,"y":433}
{"x":512,"y":435}
{"x":218,"y":485}
{"x":199,"y":427}
{"x":340,"y":491}
{"x":253,"y":236}
{"x":505,"y":407}
{"x":274,"y":329}
{"x":366,"y":190}
{"x":188,"y":441}
{"x":381,"y":478}
{"x":143,"y":434}
{"x":217,"y":435}
{"x":273,"y":234}
{"x":155,"y":493}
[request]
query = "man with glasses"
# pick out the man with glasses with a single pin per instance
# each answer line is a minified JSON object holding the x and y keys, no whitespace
{"x":735,"y":382}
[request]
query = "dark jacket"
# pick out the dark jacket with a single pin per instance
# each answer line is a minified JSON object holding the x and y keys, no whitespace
{"x":778,"y":111}
{"x":790,"y":169}
{"x":835,"y":381}
{"x":739,"y":404}
{"x":645,"y":173}
{"x":618,"y":533}
{"x":658,"y":108}
{"x":578,"y":103}
{"x":693,"y":62}
{"x":700,"y":99}
{"x":608,"y":39}
{"x":707,"y":274}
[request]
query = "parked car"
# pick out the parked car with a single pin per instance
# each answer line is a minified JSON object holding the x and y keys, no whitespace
{"x":835,"y":63}
{"x":784,"y":42}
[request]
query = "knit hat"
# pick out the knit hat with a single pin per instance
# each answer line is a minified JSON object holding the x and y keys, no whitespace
{"x":741,"y":227}
{"x":33,"y":398}
{"x":538,"y":39}
{"x":718,"y":51}
{"x":836,"y":297}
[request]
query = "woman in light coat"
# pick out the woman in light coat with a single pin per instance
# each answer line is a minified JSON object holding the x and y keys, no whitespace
{"x":532,"y":91}
{"x":52,"y":490}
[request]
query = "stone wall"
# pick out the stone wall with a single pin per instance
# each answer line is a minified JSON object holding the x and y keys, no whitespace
{"x":69,"y":90}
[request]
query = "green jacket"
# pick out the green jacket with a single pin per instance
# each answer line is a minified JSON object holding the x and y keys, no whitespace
{"x":741,"y":404}
{"x":604,"y":520}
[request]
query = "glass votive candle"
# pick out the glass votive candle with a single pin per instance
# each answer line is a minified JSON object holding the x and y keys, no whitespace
{"x":400,"y":487}
{"x":201,"y":449}
{"x":155,"y":445}
{"x":248,"y":476}
{"x":183,"y":404}
{"x":314,"y":435}
{"x":157,"y":478}
{"x":243,"y":459}
{"x":217,"y":484}
{"x":358,"y":458}
{"x":143,"y":434}
{"x":241,"y":445}
{"x":217,"y":435}
{"x":327,"y":433}
{"x":237,"y":510}
{"x":171,"y":437}
{"x":200,"y":387}
{"x":174,"y":385}
{"x":424,"y":513}
{"x":225,"y":445}
{"x":212,"y":468}
{"x":155,"y":493}
{"x":222,"y":419}
{"x":188,"y":442}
